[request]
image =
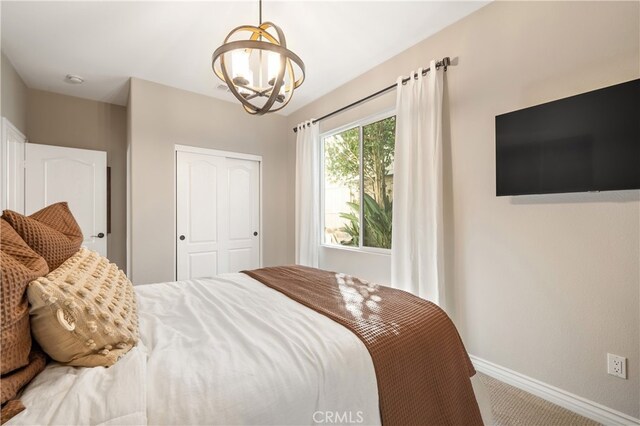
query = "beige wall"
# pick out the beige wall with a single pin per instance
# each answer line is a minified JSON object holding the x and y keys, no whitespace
{"x":14,"y":96}
{"x":61,"y":120}
{"x":544,"y":285}
{"x":53,"y":119}
{"x":162,"y":117}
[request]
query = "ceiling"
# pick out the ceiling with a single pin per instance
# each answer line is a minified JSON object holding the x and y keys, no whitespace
{"x":172,"y":42}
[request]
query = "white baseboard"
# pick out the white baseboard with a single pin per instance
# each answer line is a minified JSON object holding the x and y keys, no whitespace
{"x":575,"y":403}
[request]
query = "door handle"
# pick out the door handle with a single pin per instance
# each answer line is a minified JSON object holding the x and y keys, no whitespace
{"x":100,"y":235}
{"x":182,"y":237}
{"x":255,"y":234}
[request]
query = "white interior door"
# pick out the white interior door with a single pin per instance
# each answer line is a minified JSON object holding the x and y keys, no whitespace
{"x":217,"y":215}
{"x":77,"y":176}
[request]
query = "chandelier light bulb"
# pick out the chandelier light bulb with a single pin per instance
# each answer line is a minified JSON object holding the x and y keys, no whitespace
{"x":240,"y":66}
{"x":273,"y":65}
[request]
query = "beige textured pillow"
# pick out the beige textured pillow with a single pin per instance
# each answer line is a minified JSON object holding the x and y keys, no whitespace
{"x":84,"y":312}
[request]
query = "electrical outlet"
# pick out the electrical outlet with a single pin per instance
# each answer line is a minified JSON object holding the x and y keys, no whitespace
{"x":617,"y":366}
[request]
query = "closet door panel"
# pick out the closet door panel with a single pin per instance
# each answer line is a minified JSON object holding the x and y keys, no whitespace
{"x":244,"y":214}
{"x":200,"y":201}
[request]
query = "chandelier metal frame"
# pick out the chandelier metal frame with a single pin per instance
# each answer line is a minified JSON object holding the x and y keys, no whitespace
{"x":262,"y":40}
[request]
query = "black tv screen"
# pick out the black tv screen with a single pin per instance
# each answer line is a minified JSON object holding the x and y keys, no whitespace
{"x":587,"y":142}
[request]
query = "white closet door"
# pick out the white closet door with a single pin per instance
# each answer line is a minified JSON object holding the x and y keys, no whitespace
{"x":217,"y":215}
{"x":200,"y":201}
{"x":77,"y":176}
{"x":244,"y":214}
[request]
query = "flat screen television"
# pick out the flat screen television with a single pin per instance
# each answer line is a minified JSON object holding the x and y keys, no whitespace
{"x":587,"y":142}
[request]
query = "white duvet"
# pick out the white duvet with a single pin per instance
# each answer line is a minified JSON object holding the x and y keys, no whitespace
{"x":222,"y":351}
{"x":227,"y":350}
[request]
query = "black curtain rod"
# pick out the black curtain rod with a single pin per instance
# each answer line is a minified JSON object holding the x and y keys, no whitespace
{"x":445,"y":62}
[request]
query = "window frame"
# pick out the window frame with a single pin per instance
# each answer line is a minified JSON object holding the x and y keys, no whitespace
{"x":360,"y":123}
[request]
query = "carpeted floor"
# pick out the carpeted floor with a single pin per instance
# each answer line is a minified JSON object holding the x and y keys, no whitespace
{"x":514,"y":407}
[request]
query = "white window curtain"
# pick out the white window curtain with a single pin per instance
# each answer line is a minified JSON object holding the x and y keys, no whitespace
{"x":307,"y":194}
{"x":417,"y":263}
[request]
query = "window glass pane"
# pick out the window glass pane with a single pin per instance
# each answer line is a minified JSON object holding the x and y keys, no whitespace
{"x":342,"y":188}
{"x":377,"y":156}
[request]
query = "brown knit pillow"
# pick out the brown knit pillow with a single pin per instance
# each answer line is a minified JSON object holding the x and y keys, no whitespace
{"x":20,"y":265}
{"x":52,"y":232}
{"x":16,"y":247}
{"x":19,"y":362}
{"x":16,"y":337}
{"x":16,"y":380}
{"x":10,"y":409}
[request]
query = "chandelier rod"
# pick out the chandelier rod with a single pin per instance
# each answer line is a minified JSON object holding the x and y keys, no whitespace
{"x":445,"y":62}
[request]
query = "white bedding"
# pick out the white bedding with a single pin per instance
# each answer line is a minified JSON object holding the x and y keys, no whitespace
{"x":63,"y":395}
{"x":227,"y":350}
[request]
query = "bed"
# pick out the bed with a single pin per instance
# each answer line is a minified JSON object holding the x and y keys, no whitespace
{"x":224,"y":350}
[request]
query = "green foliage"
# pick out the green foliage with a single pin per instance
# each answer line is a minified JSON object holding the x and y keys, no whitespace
{"x":377,"y":222}
{"x":352,"y":227}
{"x":342,"y":163}
{"x":342,"y":158}
{"x":378,"y":144}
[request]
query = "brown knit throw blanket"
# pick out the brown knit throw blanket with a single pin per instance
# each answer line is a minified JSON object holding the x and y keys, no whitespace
{"x":422,"y":368}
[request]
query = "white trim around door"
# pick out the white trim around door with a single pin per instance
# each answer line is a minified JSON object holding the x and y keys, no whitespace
{"x":12,"y":157}
{"x":218,"y":153}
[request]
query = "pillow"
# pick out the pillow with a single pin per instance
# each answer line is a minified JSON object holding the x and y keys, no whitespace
{"x":16,"y":247}
{"x":10,"y":409}
{"x":17,"y":379}
{"x":19,"y":362}
{"x":84,"y":313}
{"x":16,"y":337}
{"x":52,"y":232}
{"x":19,"y":266}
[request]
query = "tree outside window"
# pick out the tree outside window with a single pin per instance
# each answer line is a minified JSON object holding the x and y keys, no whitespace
{"x":364,"y":151}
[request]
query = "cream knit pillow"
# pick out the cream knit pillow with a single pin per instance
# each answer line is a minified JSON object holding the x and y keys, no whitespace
{"x":84,"y":312}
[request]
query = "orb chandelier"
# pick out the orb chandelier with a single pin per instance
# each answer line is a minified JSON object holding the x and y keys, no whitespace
{"x":258,"y":68}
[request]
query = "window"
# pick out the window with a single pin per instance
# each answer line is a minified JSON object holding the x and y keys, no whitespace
{"x":358,"y":185}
